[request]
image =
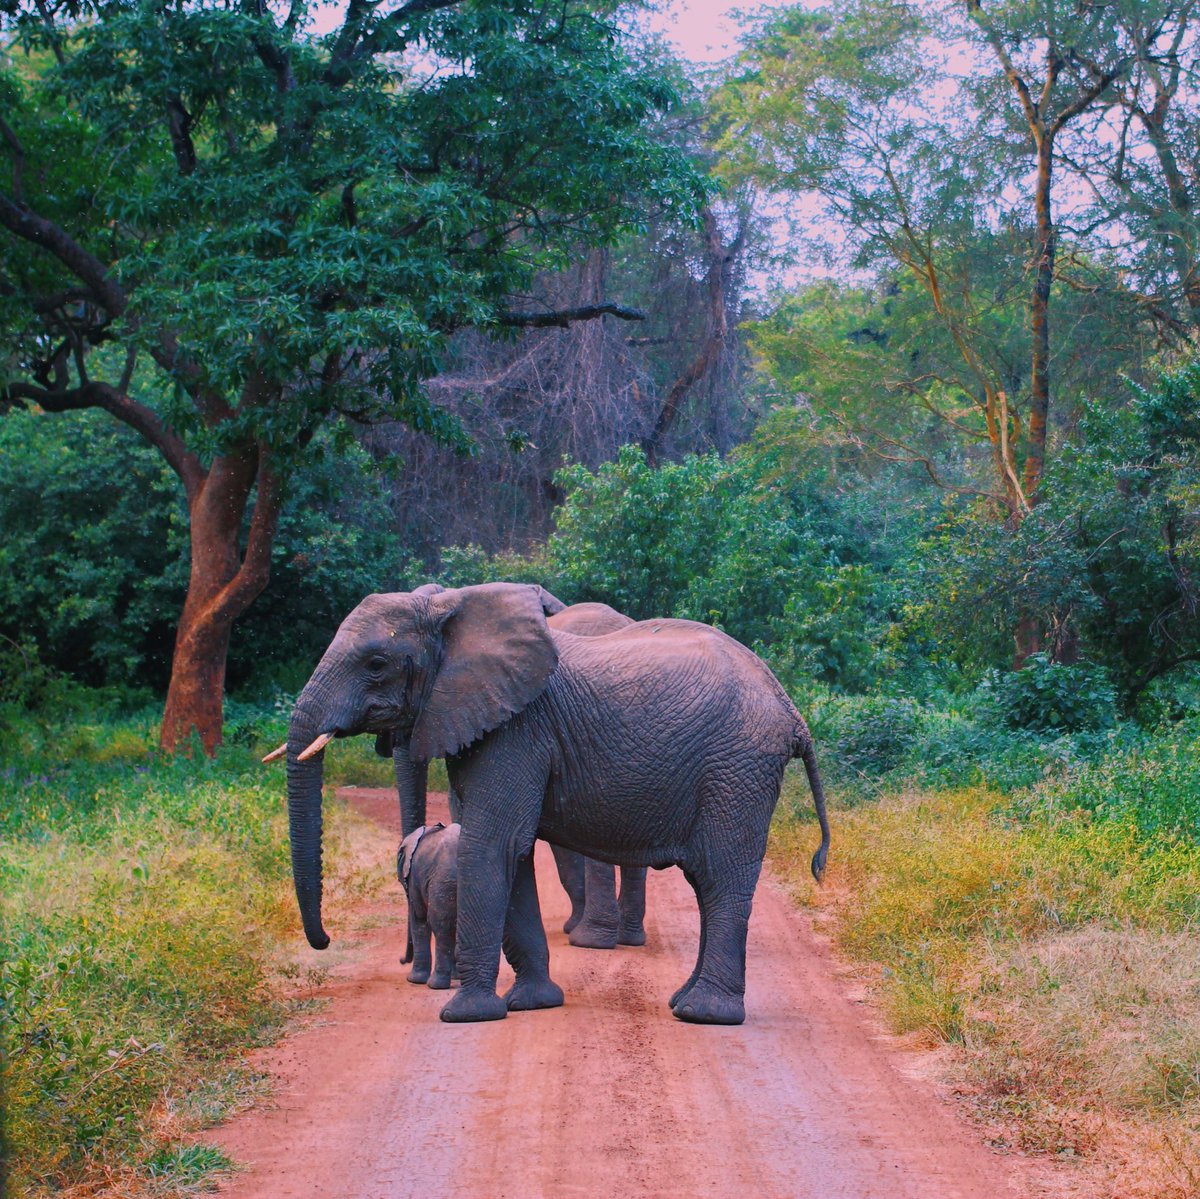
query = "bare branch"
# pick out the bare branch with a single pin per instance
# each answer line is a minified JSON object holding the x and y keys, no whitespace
{"x":18,"y":153}
{"x":564,"y":317}
{"x":138,"y":417}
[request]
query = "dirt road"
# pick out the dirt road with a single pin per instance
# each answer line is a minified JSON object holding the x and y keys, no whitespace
{"x":609,"y":1095}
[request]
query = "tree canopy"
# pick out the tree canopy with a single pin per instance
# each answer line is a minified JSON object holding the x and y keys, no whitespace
{"x":224,"y":230}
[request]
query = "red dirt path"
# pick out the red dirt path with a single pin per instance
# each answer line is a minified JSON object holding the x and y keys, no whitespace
{"x":378,"y":1099}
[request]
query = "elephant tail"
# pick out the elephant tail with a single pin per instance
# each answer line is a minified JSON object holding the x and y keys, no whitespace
{"x":806,"y":752}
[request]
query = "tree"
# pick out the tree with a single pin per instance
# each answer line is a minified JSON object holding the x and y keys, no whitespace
{"x":1139,"y":156}
{"x":1060,"y":59}
{"x":223,"y":229}
{"x":926,"y":174}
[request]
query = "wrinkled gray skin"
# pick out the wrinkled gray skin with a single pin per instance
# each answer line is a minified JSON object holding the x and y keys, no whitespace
{"x":661,"y":744}
{"x":427,"y":867}
{"x":599,"y":918}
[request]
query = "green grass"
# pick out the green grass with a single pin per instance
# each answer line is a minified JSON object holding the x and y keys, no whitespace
{"x":142,"y":901}
{"x":145,"y":901}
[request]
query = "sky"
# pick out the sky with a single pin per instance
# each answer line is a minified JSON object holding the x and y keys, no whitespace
{"x":703,"y":31}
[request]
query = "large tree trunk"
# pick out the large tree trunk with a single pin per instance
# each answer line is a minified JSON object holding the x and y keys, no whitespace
{"x":1039,"y":319}
{"x":195,"y":697}
{"x":224,"y":582}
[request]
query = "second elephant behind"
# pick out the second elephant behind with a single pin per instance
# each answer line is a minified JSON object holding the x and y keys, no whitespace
{"x":600,"y":919}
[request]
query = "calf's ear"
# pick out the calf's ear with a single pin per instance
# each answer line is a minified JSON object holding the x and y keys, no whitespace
{"x":497,"y":655}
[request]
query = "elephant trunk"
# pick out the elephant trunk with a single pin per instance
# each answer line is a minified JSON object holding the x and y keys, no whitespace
{"x":304,"y":781}
{"x":411,"y":781}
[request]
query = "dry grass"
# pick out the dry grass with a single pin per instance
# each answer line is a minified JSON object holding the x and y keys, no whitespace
{"x":1062,"y":961}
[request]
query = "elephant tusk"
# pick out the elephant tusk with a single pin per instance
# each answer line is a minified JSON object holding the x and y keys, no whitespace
{"x":276,"y":754}
{"x":315,"y":748}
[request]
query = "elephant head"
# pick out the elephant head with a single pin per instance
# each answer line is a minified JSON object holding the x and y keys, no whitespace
{"x":432,"y":670}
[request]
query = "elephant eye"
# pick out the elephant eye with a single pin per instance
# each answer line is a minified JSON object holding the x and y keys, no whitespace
{"x":376,"y":662}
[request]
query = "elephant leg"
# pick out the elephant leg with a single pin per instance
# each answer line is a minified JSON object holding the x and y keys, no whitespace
{"x":601,"y":920}
{"x":525,"y":946}
{"x":496,"y":834}
{"x":695,"y":974}
{"x":632,"y":906}
{"x":443,"y":960}
{"x":717,"y":995}
{"x":571,"y":875}
{"x":485,"y":877}
{"x":422,"y":957}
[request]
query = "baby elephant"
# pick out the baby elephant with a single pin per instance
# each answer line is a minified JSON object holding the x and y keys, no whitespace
{"x":427,"y":865}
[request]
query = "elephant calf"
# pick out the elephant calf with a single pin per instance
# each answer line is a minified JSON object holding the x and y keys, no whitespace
{"x":427,"y":866}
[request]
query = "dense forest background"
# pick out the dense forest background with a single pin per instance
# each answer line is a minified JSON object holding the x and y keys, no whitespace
{"x":873,"y":343}
{"x":879,"y":357}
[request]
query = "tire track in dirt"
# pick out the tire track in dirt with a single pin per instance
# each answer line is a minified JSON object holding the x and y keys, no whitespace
{"x":609,"y":1094}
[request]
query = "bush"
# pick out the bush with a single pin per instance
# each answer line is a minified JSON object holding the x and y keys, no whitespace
{"x":1154,"y":783}
{"x":866,"y":736}
{"x":143,"y":901}
{"x":1045,"y":696}
{"x":1056,"y":955}
{"x":94,"y":559}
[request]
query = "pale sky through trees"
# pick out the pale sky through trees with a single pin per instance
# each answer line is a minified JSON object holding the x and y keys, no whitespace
{"x":702,"y":31}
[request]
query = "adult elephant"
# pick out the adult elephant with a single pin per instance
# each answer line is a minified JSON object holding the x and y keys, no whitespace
{"x":599,"y":918}
{"x":661,"y":744}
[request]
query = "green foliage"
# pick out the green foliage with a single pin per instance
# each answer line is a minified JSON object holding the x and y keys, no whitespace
{"x":302,"y":197}
{"x":635,"y":537}
{"x":1047,"y":697}
{"x":761,"y":545}
{"x":93,"y":560}
{"x":1156,"y":785}
{"x":93,"y":565}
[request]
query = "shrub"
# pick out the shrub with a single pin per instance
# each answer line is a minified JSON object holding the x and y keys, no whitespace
{"x":142,"y":899}
{"x":866,"y":736}
{"x":1047,"y":696}
{"x":1153,"y":782}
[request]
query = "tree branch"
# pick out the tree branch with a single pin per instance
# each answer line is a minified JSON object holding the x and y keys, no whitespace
{"x":118,"y":404}
{"x":255,"y":569}
{"x":563,"y":318}
{"x":179,"y":125}
{"x":27,"y":225}
{"x":18,"y":153}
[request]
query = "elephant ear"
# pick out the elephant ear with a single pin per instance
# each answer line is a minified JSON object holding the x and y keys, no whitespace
{"x":497,"y":656}
{"x":550,"y":603}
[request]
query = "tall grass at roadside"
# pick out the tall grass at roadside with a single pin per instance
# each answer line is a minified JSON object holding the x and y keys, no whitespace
{"x":1059,"y":956}
{"x":144,"y":900}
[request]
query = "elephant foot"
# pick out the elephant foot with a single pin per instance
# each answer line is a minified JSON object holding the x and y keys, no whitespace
{"x":439,"y":982}
{"x":703,"y":1003}
{"x":571,"y":921}
{"x":469,"y":1006}
{"x":673,"y":1002}
{"x":593,"y":936}
{"x":631,"y":934}
{"x":530,"y":994}
{"x":419,"y":975}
